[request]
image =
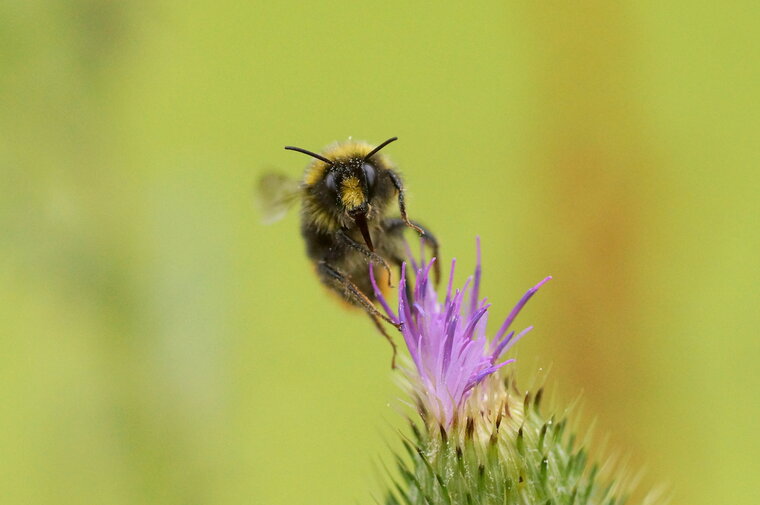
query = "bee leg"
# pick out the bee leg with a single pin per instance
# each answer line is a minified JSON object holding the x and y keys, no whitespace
{"x":381,"y":329}
{"x":396,"y":180}
{"x":335,"y":279}
{"x":372,"y":257}
{"x":397,"y":224}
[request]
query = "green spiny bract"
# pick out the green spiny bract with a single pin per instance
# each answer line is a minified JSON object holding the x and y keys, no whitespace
{"x":507,"y":452}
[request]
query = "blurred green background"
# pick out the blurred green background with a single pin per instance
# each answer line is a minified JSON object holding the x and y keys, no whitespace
{"x":161,"y":346}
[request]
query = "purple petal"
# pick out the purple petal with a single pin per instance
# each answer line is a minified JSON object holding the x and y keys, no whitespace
{"x":512,"y":315}
{"x":423,"y":277}
{"x":499,"y":349}
{"x":476,"y":285}
{"x":451,"y":281}
{"x":467,"y":335}
{"x":485,"y":373}
{"x":447,"y":344}
{"x":515,"y":340}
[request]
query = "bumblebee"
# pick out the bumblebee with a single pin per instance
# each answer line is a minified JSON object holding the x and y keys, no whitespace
{"x":346,"y":194}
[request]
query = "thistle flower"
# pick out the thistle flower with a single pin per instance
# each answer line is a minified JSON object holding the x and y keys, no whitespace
{"x":483,"y":441}
{"x":447,"y":341}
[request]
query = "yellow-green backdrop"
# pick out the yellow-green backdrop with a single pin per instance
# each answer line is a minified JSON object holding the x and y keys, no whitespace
{"x":160,"y":346}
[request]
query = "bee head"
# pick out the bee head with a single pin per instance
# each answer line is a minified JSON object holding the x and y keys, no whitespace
{"x":351,"y":183}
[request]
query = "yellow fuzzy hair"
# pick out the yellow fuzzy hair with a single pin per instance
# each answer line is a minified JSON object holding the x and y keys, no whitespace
{"x":351,"y":193}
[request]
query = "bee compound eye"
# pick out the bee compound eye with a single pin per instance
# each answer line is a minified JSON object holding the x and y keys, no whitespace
{"x":330,"y":182}
{"x":369,"y":174}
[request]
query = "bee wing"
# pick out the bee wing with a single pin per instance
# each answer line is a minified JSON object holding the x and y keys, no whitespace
{"x":275,"y":194}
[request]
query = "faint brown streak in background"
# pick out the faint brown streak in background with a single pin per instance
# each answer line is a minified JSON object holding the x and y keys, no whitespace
{"x":589,"y":160}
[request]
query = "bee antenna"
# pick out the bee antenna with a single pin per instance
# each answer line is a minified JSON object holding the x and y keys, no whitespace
{"x":375,"y":150}
{"x":309,"y":153}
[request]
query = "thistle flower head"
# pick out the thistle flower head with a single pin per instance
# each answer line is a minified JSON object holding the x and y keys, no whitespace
{"x":447,"y":339}
{"x":486,"y":443}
